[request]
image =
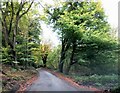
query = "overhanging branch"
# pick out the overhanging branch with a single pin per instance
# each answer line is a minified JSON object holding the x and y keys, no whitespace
{"x":26,"y":10}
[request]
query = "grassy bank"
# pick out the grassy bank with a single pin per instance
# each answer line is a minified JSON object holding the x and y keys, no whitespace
{"x":98,"y":81}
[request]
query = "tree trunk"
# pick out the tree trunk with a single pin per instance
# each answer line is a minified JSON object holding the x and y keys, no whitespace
{"x":14,"y":45}
{"x":61,"y":62}
{"x":72,"y":61}
{"x":68,"y":69}
{"x":65,"y":46}
{"x":44,"y":59}
{"x":14,"y":40}
{"x":44,"y":62}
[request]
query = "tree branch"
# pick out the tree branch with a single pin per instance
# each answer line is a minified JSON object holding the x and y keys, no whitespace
{"x":44,"y":9}
{"x":26,"y":10}
{"x":4,"y":23}
{"x":20,"y":7}
{"x":10,"y":27}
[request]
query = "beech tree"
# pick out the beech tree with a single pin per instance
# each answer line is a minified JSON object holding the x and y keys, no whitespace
{"x":12,"y":12}
{"x":79,"y":24}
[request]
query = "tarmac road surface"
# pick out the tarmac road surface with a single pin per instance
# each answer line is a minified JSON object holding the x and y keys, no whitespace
{"x":49,"y":82}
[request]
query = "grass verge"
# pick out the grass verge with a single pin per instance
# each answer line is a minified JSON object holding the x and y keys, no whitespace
{"x":99,"y":81}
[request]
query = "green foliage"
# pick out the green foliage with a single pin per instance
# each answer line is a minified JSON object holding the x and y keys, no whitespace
{"x":84,"y":24}
{"x":22,"y":32}
{"x":6,"y":56}
{"x":36,"y":53}
{"x":53,"y":58}
{"x":108,"y":81}
{"x":100,"y":61}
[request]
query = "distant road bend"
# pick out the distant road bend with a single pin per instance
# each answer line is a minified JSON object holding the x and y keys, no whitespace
{"x":48,"y":82}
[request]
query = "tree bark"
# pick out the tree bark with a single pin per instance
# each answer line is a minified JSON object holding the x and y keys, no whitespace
{"x":72,"y":61}
{"x":62,"y":57}
{"x":14,"y":42}
{"x":65,"y":46}
{"x":44,"y":59}
{"x":68,"y":69}
{"x":61,"y":63}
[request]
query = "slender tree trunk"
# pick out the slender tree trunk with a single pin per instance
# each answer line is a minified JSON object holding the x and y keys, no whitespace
{"x":72,"y":61}
{"x":44,"y":59}
{"x":44,"y":62}
{"x":14,"y":40}
{"x":61,"y":62}
{"x":65,"y":46}
{"x":14,"y":51}
{"x":68,"y":69}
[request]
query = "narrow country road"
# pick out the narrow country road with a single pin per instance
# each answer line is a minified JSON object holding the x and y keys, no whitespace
{"x":48,"y":82}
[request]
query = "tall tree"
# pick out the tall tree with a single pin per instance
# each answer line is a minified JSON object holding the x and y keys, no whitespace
{"x":79,"y":24}
{"x":12,"y":12}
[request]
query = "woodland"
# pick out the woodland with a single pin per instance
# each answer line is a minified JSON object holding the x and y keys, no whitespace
{"x":89,"y":47}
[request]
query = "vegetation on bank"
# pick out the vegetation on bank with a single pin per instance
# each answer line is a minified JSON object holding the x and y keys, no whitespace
{"x":99,"y":81}
{"x":13,"y":78}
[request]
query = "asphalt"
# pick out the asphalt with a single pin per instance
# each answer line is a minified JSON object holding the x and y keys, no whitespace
{"x":49,"y":82}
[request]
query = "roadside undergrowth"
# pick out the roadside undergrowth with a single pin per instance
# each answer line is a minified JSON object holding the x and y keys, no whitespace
{"x":15,"y":79}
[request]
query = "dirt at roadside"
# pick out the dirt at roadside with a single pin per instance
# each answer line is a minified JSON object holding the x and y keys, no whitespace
{"x":13,"y":79}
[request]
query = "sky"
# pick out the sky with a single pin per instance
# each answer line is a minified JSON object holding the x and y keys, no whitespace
{"x":110,"y":8}
{"x":49,"y":36}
